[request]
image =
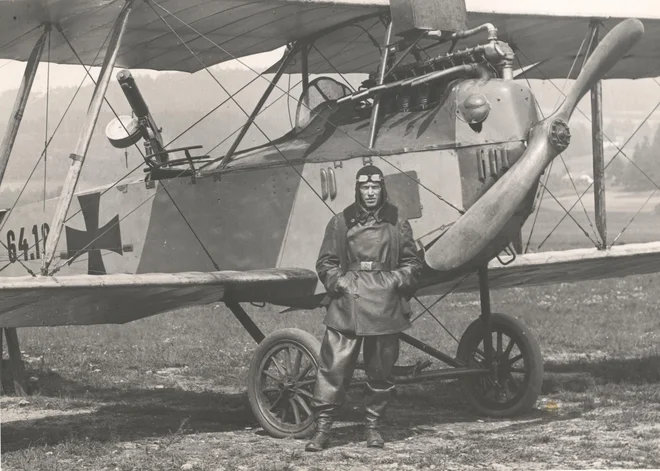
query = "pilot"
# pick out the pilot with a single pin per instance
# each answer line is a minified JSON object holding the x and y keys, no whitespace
{"x":369,"y":265}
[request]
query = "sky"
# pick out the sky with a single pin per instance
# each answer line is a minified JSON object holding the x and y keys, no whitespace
{"x":11,"y":72}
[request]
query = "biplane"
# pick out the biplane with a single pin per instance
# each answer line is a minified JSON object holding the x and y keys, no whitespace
{"x":445,"y":111}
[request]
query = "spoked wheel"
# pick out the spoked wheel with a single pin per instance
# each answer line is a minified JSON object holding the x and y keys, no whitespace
{"x":518,"y":367}
{"x":281,"y":382}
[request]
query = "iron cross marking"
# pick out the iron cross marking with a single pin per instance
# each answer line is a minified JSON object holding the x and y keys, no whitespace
{"x":92,"y":240}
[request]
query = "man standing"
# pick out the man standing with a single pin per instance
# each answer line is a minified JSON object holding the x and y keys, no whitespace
{"x":369,"y":266}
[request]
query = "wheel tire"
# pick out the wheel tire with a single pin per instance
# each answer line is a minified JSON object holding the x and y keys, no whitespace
{"x":525,"y":348}
{"x":280,"y":386}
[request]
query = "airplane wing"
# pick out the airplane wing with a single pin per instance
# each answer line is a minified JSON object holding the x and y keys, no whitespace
{"x":564,"y":266}
{"x":548,"y":33}
{"x":121,"y":298}
{"x":238,"y":27}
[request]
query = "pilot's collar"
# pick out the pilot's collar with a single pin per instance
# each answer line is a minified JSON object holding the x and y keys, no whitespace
{"x":355,"y":214}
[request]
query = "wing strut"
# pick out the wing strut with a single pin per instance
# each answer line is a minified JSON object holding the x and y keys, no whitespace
{"x":85,"y":137}
{"x":271,"y":86}
{"x":598,"y":152}
{"x":21,"y":101}
{"x":381,"y":77}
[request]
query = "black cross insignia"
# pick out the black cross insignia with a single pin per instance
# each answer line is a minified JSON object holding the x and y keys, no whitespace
{"x":92,"y":240}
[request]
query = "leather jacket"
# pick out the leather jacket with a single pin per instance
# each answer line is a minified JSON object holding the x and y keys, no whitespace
{"x":368,"y":301}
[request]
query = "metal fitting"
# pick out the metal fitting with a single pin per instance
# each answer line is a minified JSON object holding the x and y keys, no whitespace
{"x":560,"y":135}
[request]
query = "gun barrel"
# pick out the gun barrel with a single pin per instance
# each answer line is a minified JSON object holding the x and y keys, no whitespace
{"x":132,"y":93}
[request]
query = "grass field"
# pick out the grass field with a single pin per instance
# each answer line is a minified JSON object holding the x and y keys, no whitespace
{"x":167,"y":392}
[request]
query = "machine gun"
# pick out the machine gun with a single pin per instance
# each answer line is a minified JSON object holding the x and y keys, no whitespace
{"x":125,"y":131}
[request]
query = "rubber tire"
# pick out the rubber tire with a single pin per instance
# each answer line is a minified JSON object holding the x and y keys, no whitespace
{"x":289,"y":335}
{"x":528,"y":346}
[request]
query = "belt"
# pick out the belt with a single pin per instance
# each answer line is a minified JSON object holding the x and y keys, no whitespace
{"x":367,"y":266}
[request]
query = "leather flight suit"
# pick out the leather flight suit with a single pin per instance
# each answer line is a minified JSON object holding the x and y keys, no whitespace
{"x":376,"y":254}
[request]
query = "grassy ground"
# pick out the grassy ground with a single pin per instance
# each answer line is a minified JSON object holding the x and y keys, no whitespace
{"x":167,"y":392}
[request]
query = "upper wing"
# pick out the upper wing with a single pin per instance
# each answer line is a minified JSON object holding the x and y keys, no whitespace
{"x":218,"y":30}
{"x":548,"y":33}
{"x":120,"y":298}
{"x":565,"y":266}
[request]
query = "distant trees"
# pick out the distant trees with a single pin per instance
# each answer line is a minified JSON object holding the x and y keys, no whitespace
{"x":9,"y":196}
{"x":643,"y":173}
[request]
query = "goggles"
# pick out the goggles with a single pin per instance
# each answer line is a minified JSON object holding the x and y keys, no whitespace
{"x":374,"y":177}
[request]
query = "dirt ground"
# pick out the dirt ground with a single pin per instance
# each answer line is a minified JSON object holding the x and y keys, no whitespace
{"x":428,"y":427}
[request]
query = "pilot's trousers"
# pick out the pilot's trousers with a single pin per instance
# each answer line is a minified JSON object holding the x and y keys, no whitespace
{"x":339,"y":355}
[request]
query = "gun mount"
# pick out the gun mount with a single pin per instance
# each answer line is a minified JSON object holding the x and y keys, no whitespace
{"x":126,"y":131}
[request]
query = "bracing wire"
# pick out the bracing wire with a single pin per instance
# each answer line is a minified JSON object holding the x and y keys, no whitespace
{"x":16,"y":39}
{"x":210,"y":112}
{"x":255,"y":124}
{"x":334,"y":68}
{"x":543,"y":188}
{"x":620,"y":151}
{"x":144,"y":158}
{"x":2,"y":224}
{"x":162,"y":187}
{"x":567,"y":212}
{"x":233,"y":133}
{"x":440,"y":298}
{"x":633,"y":218}
{"x":208,"y":254}
{"x":364,"y":31}
{"x":369,"y":150}
{"x":173,"y":178}
{"x":36,"y":165}
{"x":150,"y":197}
{"x":46,"y":120}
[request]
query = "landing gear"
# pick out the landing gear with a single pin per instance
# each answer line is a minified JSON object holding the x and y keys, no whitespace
{"x":516,"y":373}
{"x":281,"y":383}
{"x":510,"y":353}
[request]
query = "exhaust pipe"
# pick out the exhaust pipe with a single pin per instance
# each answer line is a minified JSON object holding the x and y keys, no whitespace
{"x":490,"y":213}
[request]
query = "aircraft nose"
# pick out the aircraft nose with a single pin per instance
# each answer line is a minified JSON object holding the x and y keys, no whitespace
{"x":489,"y":214}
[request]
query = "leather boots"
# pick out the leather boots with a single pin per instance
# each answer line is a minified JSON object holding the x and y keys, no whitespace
{"x":321,"y":437}
{"x":375,"y":405}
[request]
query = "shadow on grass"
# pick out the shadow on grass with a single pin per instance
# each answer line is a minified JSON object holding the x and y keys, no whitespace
{"x":424,"y":409}
{"x":122,"y":415}
{"x":167,"y":415}
{"x":578,"y":376}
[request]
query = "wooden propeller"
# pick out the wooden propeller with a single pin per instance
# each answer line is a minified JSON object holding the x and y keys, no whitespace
{"x":490,"y":213}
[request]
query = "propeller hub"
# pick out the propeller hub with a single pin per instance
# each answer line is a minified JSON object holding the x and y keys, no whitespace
{"x":560,"y":135}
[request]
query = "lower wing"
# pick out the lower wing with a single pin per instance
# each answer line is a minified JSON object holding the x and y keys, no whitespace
{"x":565,"y":266}
{"x":121,"y":298}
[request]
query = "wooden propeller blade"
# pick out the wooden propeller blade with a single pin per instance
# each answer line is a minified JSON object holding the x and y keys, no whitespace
{"x":609,"y":51}
{"x":490,"y":213}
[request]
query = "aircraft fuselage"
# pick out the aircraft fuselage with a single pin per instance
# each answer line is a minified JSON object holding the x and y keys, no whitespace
{"x":269,"y":206}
